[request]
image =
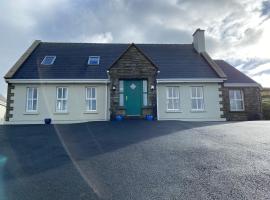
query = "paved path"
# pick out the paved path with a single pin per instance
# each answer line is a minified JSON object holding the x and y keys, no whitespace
{"x":135,"y":160}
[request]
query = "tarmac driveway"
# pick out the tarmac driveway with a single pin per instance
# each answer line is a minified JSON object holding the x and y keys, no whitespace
{"x":135,"y":160}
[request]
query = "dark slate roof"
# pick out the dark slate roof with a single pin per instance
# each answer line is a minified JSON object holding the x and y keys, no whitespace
{"x":173,"y":61}
{"x":233,"y":74}
{"x":71,"y":61}
{"x":178,"y":61}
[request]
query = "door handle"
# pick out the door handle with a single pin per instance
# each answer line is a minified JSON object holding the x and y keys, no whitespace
{"x":126,"y":98}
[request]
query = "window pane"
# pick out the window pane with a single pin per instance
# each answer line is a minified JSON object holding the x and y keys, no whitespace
{"x":121,"y":102}
{"x":170,"y":92}
{"x":35,"y":93}
{"x":48,"y":60}
{"x":59,"y":93}
{"x":232,"y":104}
{"x":175,"y":92}
{"x":93,"y":95}
{"x":193,"y":92}
{"x":170,"y":104}
{"x":176,"y":105}
{"x":58,"y":105}
{"x":239,"y":105}
{"x":193,"y":104}
{"x":29,"y":105}
{"x":200,"y":104}
{"x":145,"y":99}
{"x":34,"y":105}
{"x":231,"y":94}
{"x":199,"y":92}
{"x":238,"y":94}
{"x":64,"y":93}
{"x":121,"y":86}
{"x":93,"y":60}
{"x":144,"y":85}
{"x":64,"y":107}
{"x":94,"y":105}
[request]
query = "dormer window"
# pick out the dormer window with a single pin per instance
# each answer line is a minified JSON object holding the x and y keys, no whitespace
{"x":93,"y":60}
{"x":48,"y":60}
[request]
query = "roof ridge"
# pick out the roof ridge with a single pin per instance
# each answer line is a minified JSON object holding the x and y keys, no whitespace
{"x":116,"y":43}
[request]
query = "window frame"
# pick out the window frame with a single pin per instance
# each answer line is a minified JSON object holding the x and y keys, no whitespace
{"x":43,"y":61}
{"x":89,"y":59}
{"x":61,"y":99}
{"x":27,"y":99}
{"x":242,"y":99}
{"x":173,"y":98}
{"x":90,"y":98}
{"x":197,"y":98}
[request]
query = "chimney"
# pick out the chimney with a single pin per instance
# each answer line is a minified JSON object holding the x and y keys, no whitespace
{"x":199,"y":40}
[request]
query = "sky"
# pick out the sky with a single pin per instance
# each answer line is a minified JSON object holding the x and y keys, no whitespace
{"x":237,"y":31}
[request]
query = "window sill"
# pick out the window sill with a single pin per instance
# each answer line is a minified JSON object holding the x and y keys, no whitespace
{"x":31,"y":113}
{"x":173,"y":111}
{"x":61,"y":113}
{"x":90,"y":112}
{"x":198,"y":111}
{"x":236,"y":111}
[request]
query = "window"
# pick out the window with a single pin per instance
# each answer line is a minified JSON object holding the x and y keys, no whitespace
{"x":31,"y":99}
{"x":173,"y":99}
{"x":93,"y":60}
{"x":91,"y":99}
{"x":48,"y":60}
{"x":121,"y":93}
{"x":236,"y":100}
{"x":145,"y":102}
{"x":61,"y":100}
{"x":197,"y":102}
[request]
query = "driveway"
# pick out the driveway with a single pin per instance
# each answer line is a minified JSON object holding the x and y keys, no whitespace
{"x":136,"y":160}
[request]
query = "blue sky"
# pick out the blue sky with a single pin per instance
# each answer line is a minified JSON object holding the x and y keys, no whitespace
{"x":236,"y":30}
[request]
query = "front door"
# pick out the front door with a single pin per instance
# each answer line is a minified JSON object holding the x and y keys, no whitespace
{"x":133,"y":97}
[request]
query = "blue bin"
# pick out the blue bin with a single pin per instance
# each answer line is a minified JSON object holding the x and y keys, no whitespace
{"x":149,"y":117}
{"x":47,"y":120}
{"x":119,"y":117}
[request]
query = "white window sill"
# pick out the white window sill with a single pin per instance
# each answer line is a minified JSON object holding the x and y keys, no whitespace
{"x":31,"y":113}
{"x":197,"y":111}
{"x":173,"y":111}
{"x":90,"y":112}
{"x":61,"y":113}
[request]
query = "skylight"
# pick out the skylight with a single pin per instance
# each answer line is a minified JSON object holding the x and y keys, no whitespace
{"x":48,"y":60}
{"x":93,"y":60}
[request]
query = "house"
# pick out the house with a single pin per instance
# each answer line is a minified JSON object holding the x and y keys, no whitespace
{"x":78,"y":82}
{"x":2,"y":108}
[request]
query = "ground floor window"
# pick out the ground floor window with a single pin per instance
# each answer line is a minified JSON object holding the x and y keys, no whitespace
{"x":197,"y":101}
{"x":91,"y":99}
{"x":236,"y":100}
{"x":173,"y":99}
{"x":31,"y":99}
{"x":61,"y":99}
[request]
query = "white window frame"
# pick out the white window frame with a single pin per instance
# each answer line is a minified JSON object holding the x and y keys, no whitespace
{"x":173,"y":98}
{"x":196,"y":98}
{"x":62,"y":99}
{"x":90,"y":99}
{"x":43,"y":61}
{"x":90,"y":57}
{"x":32,"y":99}
{"x":235,"y":99}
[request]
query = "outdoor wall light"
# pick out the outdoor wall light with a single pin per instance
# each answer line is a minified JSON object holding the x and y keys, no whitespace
{"x":113,"y":87}
{"x":152,"y":87}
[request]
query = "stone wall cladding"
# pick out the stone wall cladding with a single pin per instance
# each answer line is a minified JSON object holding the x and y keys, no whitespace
{"x":132,"y":65}
{"x":252,"y":102}
{"x":10,"y":101}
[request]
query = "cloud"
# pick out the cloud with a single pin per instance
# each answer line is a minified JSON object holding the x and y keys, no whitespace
{"x":236,"y":30}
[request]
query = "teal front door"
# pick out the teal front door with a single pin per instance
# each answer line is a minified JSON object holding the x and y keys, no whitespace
{"x":133,"y":97}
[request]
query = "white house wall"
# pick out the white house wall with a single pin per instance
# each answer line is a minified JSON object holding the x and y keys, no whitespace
{"x":211,"y":101}
{"x":2,"y":111}
{"x":47,"y":104}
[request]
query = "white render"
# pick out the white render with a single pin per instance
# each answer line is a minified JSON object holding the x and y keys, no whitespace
{"x":2,"y":111}
{"x":211,"y":103}
{"x":76,"y":111}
